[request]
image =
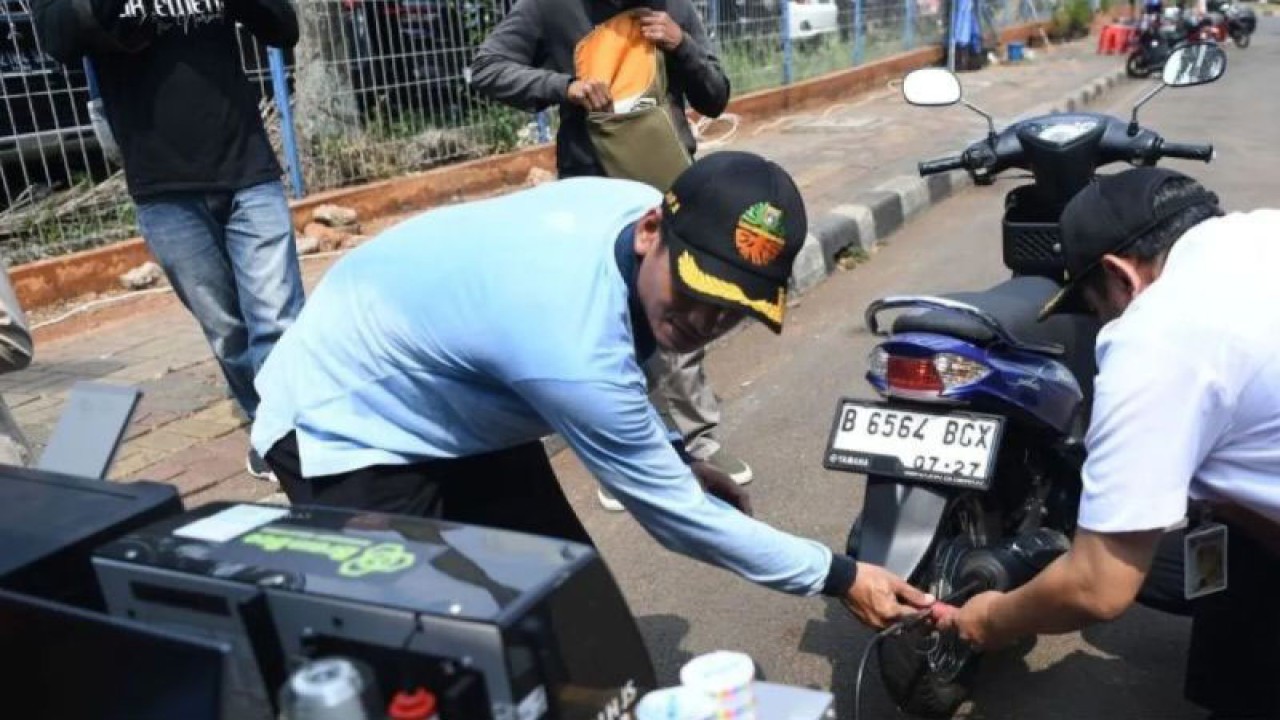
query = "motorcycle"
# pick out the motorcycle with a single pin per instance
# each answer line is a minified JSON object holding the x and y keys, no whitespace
{"x":1241,"y":22}
{"x":1159,"y":36}
{"x":974,"y":447}
{"x":1156,"y":40}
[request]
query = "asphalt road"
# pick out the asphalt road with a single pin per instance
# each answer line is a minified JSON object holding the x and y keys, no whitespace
{"x":779,"y":399}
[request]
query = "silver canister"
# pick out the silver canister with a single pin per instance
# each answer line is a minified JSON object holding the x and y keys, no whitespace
{"x":333,"y":688}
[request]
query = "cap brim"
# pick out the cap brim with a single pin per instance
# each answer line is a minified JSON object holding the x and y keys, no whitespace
{"x":707,"y":277}
{"x":1068,"y":300}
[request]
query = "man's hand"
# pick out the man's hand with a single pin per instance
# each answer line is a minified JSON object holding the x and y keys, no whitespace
{"x":591,"y":94}
{"x":661,"y":30}
{"x":722,"y":486}
{"x":878,"y":597}
{"x":972,"y":621}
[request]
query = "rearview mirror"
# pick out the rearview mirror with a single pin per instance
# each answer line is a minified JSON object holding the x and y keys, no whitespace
{"x":1194,"y":65}
{"x":931,"y":87}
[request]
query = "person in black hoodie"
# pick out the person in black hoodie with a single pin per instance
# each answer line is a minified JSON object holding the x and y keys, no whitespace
{"x":197,"y":160}
{"x":528,"y":62}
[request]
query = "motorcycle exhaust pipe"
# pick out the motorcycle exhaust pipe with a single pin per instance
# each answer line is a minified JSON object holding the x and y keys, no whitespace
{"x":1010,"y":565}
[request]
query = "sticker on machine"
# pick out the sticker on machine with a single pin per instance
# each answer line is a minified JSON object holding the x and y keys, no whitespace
{"x":231,"y":523}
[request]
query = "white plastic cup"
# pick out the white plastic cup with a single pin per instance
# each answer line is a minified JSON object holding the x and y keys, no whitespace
{"x":677,"y":703}
{"x":728,"y":679}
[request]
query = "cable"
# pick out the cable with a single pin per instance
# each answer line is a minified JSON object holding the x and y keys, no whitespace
{"x":97,"y":303}
{"x":899,"y":626}
{"x":702,"y":124}
{"x":139,"y":293}
{"x":862,"y":668}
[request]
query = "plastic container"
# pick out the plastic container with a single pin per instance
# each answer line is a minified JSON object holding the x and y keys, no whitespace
{"x":1015,"y":51}
{"x":677,"y":703}
{"x":727,"y":678}
{"x":334,"y":688}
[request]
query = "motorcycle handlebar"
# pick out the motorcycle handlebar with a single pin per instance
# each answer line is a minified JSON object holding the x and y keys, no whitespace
{"x":1187,"y":151}
{"x":933,"y":167}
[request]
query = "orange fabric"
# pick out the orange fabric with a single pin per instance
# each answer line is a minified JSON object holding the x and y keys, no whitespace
{"x":1116,"y":39}
{"x":617,"y":53}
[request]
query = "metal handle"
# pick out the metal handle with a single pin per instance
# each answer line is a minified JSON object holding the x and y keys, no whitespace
{"x":936,"y":303}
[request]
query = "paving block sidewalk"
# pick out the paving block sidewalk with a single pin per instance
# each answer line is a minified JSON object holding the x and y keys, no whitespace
{"x":186,"y":430}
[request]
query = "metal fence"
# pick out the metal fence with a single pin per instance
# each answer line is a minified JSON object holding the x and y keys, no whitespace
{"x":378,"y":88}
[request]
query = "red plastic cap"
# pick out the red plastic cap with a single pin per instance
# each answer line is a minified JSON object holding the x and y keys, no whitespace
{"x":420,"y":704}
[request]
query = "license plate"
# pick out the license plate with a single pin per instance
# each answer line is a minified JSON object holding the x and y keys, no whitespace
{"x":948,"y":448}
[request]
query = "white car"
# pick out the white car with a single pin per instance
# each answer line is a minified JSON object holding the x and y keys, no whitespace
{"x":811,"y":18}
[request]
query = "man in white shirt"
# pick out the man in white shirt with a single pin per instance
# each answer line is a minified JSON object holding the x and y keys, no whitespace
{"x":1187,"y":405}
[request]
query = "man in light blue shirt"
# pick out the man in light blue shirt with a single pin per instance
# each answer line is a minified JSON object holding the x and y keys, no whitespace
{"x":430,"y":361}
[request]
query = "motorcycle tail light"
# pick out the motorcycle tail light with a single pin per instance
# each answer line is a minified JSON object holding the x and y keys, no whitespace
{"x":878,"y":363}
{"x":957,"y":371}
{"x":923,"y":378}
{"x":913,"y":377}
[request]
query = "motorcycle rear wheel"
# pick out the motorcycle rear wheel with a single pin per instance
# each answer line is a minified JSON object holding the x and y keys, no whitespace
{"x":1241,"y":39}
{"x":907,"y":673}
{"x":1136,"y":66}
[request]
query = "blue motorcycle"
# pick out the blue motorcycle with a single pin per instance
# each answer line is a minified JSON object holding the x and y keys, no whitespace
{"x":974,"y":446}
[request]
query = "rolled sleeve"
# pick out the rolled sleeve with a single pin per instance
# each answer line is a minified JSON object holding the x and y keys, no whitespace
{"x":616,"y":432}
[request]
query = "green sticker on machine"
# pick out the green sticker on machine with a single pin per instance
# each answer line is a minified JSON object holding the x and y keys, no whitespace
{"x":356,"y":557}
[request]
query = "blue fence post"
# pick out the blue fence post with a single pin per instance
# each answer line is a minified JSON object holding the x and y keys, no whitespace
{"x":859,"y":33}
{"x":787,"y":69}
{"x":280,"y":86}
{"x":713,"y":20}
{"x":90,"y":76}
{"x":953,"y":12}
{"x":544,"y":126}
{"x":909,"y":24}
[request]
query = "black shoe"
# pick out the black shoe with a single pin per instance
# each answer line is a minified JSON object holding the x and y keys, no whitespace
{"x":258,"y":468}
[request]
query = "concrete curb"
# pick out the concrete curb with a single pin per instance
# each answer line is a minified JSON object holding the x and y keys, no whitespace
{"x":875,"y":214}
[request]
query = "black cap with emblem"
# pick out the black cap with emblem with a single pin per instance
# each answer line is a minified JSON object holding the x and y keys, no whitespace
{"x":1107,"y":217}
{"x":734,"y":223}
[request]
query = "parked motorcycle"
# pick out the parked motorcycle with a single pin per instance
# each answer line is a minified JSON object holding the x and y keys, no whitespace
{"x":974,"y":448}
{"x":1159,"y":36}
{"x":1156,"y":41}
{"x":1241,"y":22}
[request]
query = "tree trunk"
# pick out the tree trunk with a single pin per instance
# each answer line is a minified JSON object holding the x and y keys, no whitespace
{"x":325,"y":101}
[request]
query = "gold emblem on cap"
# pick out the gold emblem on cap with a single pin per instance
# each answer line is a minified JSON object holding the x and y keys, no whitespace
{"x":673,"y":202}
{"x":758,"y":236}
{"x":698,"y":279}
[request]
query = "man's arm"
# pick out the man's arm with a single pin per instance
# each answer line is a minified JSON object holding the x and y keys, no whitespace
{"x":705,"y":84}
{"x":615,"y":431}
{"x":1158,"y":412}
{"x":69,"y":29}
{"x":505,"y":68}
{"x":1095,"y":581}
{"x":273,"y":22}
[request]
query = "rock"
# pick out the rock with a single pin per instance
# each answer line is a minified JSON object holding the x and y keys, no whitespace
{"x":328,"y":239}
{"x":538,"y":176}
{"x":142,"y":277}
{"x":336,"y":216}
{"x":307,"y":244}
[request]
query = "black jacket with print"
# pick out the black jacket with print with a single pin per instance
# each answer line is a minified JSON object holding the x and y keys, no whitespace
{"x":174,"y":92}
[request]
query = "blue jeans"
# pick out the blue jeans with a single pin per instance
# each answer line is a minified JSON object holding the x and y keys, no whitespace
{"x":231,"y":259}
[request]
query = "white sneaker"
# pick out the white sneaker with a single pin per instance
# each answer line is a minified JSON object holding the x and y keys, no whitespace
{"x":258,"y":468}
{"x":735,"y":468}
{"x":609,"y":502}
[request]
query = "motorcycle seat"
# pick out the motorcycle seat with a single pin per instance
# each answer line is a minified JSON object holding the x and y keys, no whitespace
{"x":1015,"y":304}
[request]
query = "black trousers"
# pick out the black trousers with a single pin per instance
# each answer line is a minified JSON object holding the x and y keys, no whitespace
{"x":513,"y":489}
{"x":1233,"y":664}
